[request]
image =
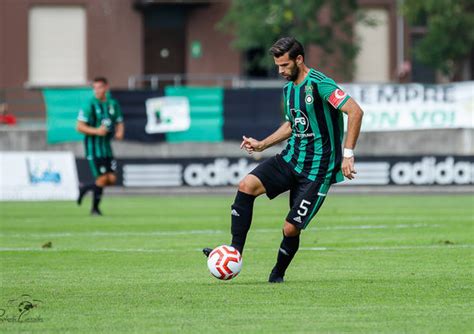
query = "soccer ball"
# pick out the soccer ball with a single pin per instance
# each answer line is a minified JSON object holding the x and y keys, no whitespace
{"x":224,"y":262}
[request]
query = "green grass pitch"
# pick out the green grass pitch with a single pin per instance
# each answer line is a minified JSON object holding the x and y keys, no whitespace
{"x":367,"y":264}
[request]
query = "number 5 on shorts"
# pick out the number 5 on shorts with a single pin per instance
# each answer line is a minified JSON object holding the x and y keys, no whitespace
{"x":303,"y":207}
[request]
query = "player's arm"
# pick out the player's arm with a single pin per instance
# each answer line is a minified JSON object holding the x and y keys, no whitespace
{"x":82,"y":127}
{"x":119,"y":125}
{"x":354,"y":121}
{"x":119,"y":131}
{"x":253,"y":145}
{"x":335,"y":96}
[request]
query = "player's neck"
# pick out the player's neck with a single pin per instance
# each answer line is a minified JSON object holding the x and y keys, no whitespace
{"x":304,"y":71}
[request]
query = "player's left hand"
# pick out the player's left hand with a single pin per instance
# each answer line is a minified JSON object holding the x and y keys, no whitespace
{"x":348,"y":168}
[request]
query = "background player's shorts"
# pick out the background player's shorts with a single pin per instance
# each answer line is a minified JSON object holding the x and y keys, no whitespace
{"x":101,"y":166}
{"x":306,"y":196}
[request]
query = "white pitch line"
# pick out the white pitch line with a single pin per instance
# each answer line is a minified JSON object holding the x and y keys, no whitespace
{"x":205,"y":232}
{"x":383,"y":248}
{"x":174,"y":250}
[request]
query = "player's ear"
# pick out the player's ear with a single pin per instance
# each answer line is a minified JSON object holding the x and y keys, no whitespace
{"x":299,"y":60}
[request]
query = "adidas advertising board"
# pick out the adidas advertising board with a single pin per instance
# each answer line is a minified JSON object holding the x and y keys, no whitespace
{"x":225,"y":171}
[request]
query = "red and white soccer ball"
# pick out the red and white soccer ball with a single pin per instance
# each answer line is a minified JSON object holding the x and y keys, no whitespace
{"x":224,"y":262}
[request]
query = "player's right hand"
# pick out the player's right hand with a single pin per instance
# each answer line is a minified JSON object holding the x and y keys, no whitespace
{"x":251,"y":145}
{"x":101,"y":131}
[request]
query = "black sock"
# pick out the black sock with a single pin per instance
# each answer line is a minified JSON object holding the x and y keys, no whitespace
{"x":97,"y":197}
{"x":242,"y":210}
{"x":288,"y":248}
{"x":86,"y":187}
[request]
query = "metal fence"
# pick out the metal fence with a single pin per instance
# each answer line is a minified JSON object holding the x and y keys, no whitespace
{"x":157,"y":81}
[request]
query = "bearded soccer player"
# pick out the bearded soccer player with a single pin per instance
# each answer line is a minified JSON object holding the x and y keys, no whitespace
{"x":314,"y":157}
{"x":100,"y":121}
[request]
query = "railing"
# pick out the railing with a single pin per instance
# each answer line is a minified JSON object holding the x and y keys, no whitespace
{"x":156,"y":81}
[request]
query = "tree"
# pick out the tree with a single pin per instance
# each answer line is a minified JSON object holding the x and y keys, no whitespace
{"x":257,"y":24}
{"x":449,"y":37}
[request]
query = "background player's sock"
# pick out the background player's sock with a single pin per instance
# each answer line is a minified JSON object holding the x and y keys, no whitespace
{"x":288,"y":248}
{"x":97,"y":197}
{"x":242,"y":210}
{"x":83,"y":189}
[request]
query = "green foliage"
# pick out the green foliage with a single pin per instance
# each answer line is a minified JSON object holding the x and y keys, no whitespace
{"x":324,"y":23}
{"x":450,"y":31}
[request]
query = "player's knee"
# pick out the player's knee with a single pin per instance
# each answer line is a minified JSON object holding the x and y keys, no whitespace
{"x":246,"y":187}
{"x":251,"y":185}
{"x":290,"y":230}
{"x":112,"y":179}
{"x":101,"y":181}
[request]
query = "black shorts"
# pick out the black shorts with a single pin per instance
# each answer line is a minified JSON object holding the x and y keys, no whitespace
{"x":306,"y":196}
{"x":101,"y":166}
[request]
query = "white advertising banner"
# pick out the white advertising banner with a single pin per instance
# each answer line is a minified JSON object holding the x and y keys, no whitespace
{"x":35,"y":176}
{"x":167,"y":114}
{"x":393,"y":107}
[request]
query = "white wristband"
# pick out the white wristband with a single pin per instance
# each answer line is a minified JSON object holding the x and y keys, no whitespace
{"x":348,"y":153}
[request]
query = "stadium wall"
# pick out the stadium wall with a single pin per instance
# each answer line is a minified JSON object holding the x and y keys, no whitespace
{"x":394,"y":143}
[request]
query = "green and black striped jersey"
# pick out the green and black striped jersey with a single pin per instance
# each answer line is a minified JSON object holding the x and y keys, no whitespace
{"x":95,"y":113}
{"x":314,"y":149}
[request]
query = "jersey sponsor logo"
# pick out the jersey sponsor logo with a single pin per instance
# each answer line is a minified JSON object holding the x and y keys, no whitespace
{"x":304,"y":135}
{"x":337,"y":97}
{"x":300,"y":120}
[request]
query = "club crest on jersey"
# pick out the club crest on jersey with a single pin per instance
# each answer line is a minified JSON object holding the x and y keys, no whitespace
{"x":308,"y":89}
{"x":111,"y":110}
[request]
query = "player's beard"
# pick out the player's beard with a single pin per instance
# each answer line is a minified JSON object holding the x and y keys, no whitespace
{"x":294,"y":74}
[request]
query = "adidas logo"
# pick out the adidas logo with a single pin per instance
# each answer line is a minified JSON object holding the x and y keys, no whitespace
{"x":234,"y":213}
{"x":284,"y":252}
{"x":297,"y":219}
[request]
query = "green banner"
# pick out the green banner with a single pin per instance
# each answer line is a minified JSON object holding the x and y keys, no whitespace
{"x":206,"y":111}
{"x":62,"y":107}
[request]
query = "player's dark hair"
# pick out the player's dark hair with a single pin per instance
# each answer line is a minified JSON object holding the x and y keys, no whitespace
{"x":287,"y":44}
{"x":101,"y":79}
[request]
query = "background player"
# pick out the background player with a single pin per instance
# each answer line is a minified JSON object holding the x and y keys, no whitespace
{"x":313,"y":158}
{"x":100,"y":120}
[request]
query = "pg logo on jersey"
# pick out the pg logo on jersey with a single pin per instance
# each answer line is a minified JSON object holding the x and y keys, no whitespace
{"x":337,"y":97}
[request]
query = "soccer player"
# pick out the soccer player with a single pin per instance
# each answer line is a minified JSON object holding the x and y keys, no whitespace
{"x":100,"y":121}
{"x":313,"y":158}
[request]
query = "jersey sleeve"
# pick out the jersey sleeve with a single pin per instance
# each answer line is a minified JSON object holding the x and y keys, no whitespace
{"x":119,"y":118}
{"x":330,"y":92}
{"x":84,"y":113}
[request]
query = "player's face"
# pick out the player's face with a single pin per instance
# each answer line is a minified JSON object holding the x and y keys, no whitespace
{"x":287,"y":68}
{"x":100,"y":90}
